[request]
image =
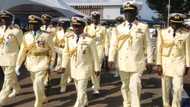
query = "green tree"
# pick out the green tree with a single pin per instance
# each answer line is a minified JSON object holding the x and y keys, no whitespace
{"x":161,"y":6}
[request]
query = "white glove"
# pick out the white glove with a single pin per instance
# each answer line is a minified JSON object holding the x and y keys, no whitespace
{"x":17,"y":70}
{"x":51,"y":67}
{"x":58,"y":50}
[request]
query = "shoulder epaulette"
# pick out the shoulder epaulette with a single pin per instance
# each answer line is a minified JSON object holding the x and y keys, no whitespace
{"x":69,"y":34}
{"x":142,"y":23}
{"x":86,"y":35}
{"x":44,"y":31}
{"x":26,"y":32}
{"x":16,"y":26}
{"x":163,"y":28}
{"x":185,"y":29}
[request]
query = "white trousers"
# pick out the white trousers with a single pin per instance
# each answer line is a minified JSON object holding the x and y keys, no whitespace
{"x":10,"y":83}
{"x":81,"y":87}
{"x":177,"y":83}
{"x":131,"y":88}
{"x":39,"y":87}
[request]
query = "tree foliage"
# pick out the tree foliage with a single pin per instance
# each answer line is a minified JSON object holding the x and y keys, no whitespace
{"x":161,"y":6}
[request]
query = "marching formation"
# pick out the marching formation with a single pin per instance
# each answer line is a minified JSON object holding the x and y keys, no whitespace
{"x":78,"y":48}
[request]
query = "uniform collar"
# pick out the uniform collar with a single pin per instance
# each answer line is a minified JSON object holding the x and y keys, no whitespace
{"x":135,"y":22}
{"x":170,"y":29}
{"x":59,"y":28}
{"x":44,"y":27}
{"x":35,"y":32}
{"x":3,"y":27}
{"x":93,"y":25}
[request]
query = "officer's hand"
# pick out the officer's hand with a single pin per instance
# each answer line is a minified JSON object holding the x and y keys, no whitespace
{"x":61,"y":70}
{"x":158,"y":69}
{"x":111,"y":65}
{"x":17,"y":70}
{"x":97,"y":73}
{"x":187,"y":69}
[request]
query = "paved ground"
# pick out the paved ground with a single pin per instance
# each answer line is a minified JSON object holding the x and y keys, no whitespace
{"x":110,"y":97}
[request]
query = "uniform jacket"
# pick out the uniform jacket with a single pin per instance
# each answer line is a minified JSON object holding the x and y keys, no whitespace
{"x":10,"y":40}
{"x":82,"y":56}
{"x":173,"y":53}
{"x":101,"y":37}
{"x":131,"y":46}
{"x":50,"y":29}
{"x":59,"y":40}
{"x":37,"y":51}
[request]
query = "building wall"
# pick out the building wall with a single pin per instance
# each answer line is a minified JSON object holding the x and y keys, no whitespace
{"x":111,"y":12}
{"x":106,"y":12}
{"x":88,"y":9}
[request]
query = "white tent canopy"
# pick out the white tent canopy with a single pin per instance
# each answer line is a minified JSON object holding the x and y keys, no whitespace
{"x":187,"y":22}
{"x":58,"y":5}
{"x":93,"y":2}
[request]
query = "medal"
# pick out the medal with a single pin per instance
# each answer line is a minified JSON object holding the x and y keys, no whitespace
{"x":41,"y":43}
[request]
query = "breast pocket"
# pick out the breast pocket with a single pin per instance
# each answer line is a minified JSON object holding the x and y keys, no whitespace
{"x":166,"y":51}
{"x":139,"y":33}
{"x":138,"y":38}
{"x":98,"y":37}
{"x":83,"y":53}
{"x":180,"y":43}
{"x":84,"y":48}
